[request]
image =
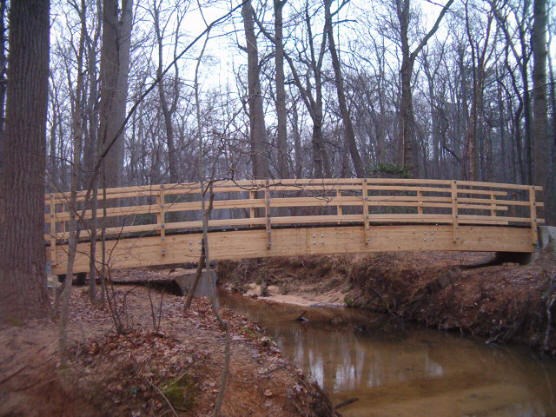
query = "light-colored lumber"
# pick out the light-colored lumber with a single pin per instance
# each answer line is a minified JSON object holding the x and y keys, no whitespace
{"x":454,"y":196}
{"x":355,"y":202}
{"x":142,"y":252}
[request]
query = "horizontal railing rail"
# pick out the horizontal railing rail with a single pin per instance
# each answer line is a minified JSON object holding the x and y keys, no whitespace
{"x":173,"y":208}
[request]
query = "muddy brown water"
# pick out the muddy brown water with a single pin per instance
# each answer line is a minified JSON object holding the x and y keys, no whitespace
{"x":398,"y":370}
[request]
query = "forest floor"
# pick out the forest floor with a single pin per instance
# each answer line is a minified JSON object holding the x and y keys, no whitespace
{"x":170,"y":363}
{"x":503,"y":303}
{"x":166,"y":363}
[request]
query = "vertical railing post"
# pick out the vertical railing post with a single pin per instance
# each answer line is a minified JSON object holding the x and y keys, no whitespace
{"x":492,"y":205}
{"x":533,"y":215}
{"x":454,"y":195}
{"x":53,"y":260}
{"x":161,"y":219}
{"x":419,"y":202}
{"x":251,"y":207}
{"x":365,"y":197}
{"x":267,"y":215}
{"x":339,"y":208}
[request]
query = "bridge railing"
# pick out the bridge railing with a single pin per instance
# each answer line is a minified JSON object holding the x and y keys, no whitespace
{"x":173,"y":208}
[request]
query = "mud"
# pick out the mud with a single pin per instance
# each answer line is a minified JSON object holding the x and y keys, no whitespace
{"x":505,"y":303}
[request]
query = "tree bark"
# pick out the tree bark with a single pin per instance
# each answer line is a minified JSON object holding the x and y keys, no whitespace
{"x":257,"y":129}
{"x":3,"y":80}
{"x":167,"y":110}
{"x":114,"y":70}
{"x":407,"y":118}
{"x":281,"y":112}
{"x":22,"y":261}
{"x":541,"y":143}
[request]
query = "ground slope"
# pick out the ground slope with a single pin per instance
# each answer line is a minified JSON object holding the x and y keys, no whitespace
{"x":502,"y":303}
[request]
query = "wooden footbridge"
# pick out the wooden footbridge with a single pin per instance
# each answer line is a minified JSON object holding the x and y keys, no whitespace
{"x":162,"y":224}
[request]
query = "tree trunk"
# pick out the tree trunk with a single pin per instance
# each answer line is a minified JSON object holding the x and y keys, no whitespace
{"x":257,"y":129}
{"x":22,"y":262}
{"x":349,"y":133}
{"x":114,"y":69}
{"x":541,"y":144}
{"x":407,"y":118}
{"x":166,"y":110}
{"x":281,"y":112}
{"x":3,"y":81}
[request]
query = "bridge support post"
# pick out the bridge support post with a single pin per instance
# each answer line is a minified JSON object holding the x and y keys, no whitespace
{"x":533,"y":215}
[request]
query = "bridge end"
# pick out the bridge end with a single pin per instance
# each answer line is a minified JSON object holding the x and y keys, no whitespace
{"x":546,"y":244}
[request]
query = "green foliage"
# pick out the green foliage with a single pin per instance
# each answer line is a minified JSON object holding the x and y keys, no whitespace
{"x":390,"y":170}
{"x":181,"y":393}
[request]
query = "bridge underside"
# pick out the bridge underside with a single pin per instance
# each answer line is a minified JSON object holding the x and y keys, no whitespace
{"x":258,"y":243}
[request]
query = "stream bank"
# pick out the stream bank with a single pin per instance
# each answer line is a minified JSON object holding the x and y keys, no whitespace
{"x":165,"y":362}
{"x":463,"y":292}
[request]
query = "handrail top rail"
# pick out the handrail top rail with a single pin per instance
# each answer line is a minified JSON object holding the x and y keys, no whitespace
{"x":285,"y":185}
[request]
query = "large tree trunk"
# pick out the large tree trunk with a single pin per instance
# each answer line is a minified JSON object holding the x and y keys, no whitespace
{"x":349,"y":133}
{"x":281,"y":112}
{"x":114,"y":70}
{"x":22,"y":254}
{"x":3,"y":45}
{"x":257,"y":129}
{"x":541,"y":144}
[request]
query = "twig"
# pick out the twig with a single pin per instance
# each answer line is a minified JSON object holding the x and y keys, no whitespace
{"x":12,"y":375}
{"x":174,"y":412}
{"x":346,"y":403}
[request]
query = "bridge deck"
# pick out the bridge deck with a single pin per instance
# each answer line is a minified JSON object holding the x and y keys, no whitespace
{"x":162,"y":224}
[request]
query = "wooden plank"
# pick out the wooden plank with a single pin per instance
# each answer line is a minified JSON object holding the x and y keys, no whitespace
{"x":416,"y":188}
{"x":316,"y":201}
{"x":454,"y":211}
{"x":339,"y":207}
{"x":498,"y":201}
{"x":420,"y":202}
{"x":291,"y":184}
{"x":245,"y":244}
{"x":267,"y":217}
{"x":533,"y":216}
{"x":53,"y":260}
{"x":463,"y":184}
{"x":493,"y":205}
{"x":161,"y":219}
{"x":365,"y":198}
{"x":251,"y":205}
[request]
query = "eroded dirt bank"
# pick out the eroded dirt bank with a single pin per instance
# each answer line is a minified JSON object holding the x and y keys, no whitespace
{"x":500,"y":303}
{"x":172,"y":369}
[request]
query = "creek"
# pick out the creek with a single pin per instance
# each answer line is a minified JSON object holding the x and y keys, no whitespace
{"x":396,"y":369}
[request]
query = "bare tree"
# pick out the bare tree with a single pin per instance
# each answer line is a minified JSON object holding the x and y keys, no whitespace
{"x":114,"y":70}
{"x":349,"y":133}
{"x":479,"y":59}
{"x":407,"y":117}
{"x":257,"y":129}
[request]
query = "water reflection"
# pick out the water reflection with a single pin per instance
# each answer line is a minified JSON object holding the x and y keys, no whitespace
{"x":406,"y":372}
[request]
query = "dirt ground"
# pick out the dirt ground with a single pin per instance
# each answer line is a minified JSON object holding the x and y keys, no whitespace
{"x":168,"y":363}
{"x":504,"y":303}
{"x":172,"y":369}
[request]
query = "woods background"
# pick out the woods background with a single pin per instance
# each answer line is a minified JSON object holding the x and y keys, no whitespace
{"x":463,"y":89}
